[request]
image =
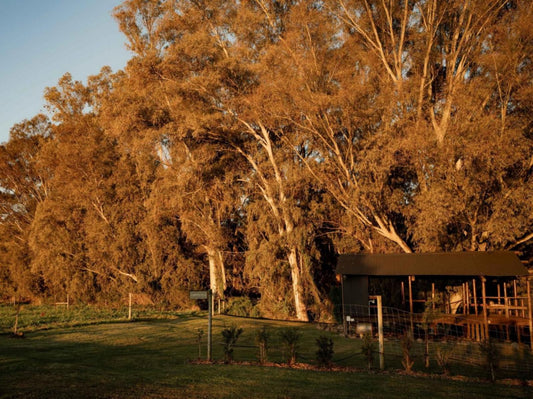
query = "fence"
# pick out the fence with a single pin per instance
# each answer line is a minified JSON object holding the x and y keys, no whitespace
{"x":443,"y":338}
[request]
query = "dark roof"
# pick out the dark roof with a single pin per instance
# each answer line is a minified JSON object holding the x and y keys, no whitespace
{"x":494,"y":264}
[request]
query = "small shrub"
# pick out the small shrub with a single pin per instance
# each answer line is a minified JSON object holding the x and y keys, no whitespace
{"x":291,"y":338}
{"x":199,"y":335}
{"x":230,"y":336}
{"x":262,"y":338}
{"x":407,"y":345}
{"x":443,"y":356}
{"x":492,"y":357}
{"x":368,"y":348}
{"x":324,"y":354}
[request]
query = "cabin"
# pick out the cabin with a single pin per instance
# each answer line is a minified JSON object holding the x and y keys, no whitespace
{"x":473,"y":290}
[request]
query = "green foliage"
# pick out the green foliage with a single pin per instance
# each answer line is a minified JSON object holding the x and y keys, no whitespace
{"x":214,"y":149}
{"x":443,"y":357}
{"x":199,"y":335}
{"x":290,"y":337}
{"x":407,"y":342}
{"x":368,"y":349}
{"x":242,"y":306}
{"x":262,"y":338}
{"x":324,"y":354}
{"x":230,"y":335}
{"x":492,"y":355}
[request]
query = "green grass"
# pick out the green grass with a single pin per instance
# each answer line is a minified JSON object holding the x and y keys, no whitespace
{"x":65,"y":358}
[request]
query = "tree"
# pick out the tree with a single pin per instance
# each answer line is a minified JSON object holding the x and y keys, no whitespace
{"x":22,"y":188}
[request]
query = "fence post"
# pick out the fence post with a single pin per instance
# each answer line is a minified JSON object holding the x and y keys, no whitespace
{"x":209,"y":323}
{"x":380,"y":334}
{"x":380,"y":331}
{"x":129,"y":307}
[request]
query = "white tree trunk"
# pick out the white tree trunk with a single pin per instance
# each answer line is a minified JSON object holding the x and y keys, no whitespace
{"x":212,"y":258}
{"x":217,"y":274}
{"x":301,"y":310}
{"x":222,"y":272}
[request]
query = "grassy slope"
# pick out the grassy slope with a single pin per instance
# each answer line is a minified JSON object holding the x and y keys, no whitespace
{"x":150,"y":359}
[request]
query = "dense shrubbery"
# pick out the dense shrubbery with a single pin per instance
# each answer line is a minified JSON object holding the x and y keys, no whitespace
{"x":242,"y":306}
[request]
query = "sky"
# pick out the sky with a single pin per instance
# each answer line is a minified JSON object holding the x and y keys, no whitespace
{"x":41,"y":40}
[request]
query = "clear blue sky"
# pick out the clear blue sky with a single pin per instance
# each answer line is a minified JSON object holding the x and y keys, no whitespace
{"x":40,"y":40}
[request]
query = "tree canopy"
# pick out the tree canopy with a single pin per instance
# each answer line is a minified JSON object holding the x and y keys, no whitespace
{"x":248,"y":142}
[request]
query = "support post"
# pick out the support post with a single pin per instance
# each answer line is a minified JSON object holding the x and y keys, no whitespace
{"x":529,"y":313}
{"x":515,"y":300}
{"x":464,"y":298}
{"x":380,"y":334}
{"x":505,"y":300}
{"x":485,"y":316}
{"x":209,"y":323}
{"x":380,"y":331}
{"x":433,"y":296}
{"x":411,"y":305}
{"x":475,"y":295}
{"x":344,"y":326}
{"x":129,"y":308}
{"x":410,"y":295}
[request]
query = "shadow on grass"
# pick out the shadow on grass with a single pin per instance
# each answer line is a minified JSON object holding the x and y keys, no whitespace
{"x":151,"y":359}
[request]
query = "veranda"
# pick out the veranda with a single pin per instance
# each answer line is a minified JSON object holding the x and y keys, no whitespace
{"x":479,"y":294}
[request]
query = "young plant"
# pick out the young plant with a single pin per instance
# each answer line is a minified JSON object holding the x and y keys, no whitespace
{"x":368,"y":348}
{"x":199,"y":335}
{"x":443,"y":356}
{"x":230,"y":335}
{"x":262,"y":338}
{"x":407,"y":346}
{"x":492,"y":357}
{"x":324,"y":354}
{"x":291,"y":338}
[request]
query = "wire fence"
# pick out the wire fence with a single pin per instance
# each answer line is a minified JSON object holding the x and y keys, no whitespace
{"x":449,"y":340}
{"x":440,"y":340}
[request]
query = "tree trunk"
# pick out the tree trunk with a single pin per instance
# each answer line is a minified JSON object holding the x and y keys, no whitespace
{"x":217,"y":274}
{"x":213,"y":265}
{"x":222,"y":272}
{"x":301,"y":310}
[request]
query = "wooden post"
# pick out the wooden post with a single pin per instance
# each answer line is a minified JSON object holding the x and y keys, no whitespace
{"x":380,"y":333}
{"x":464,"y":298}
{"x":529,"y":311}
{"x":129,"y":307}
{"x":475,"y":295}
{"x":433,"y":295}
{"x":506,"y":309}
{"x":344,"y":324}
{"x":411,"y":305}
{"x":485,"y":316}
{"x":514,"y":301}
{"x":67,"y":301}
{"x":403,"y":293}
{"x":505,"y":299}
{"x":499,"y":294}
{"x":209,"y":323}
{"x":467,"y":297}
{"x":410,"y":295}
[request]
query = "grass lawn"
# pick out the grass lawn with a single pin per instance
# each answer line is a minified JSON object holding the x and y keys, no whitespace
{"x":151,"y":358}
